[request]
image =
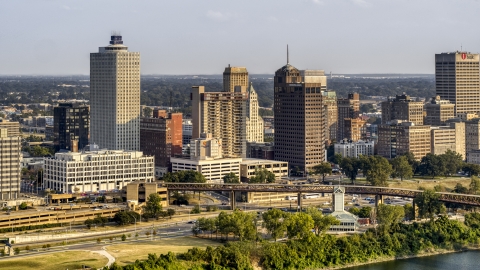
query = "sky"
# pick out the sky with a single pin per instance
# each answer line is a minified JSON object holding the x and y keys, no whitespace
{"x":53,"y":37}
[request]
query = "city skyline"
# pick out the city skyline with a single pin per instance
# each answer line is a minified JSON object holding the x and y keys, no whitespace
{"x":360,"y":36}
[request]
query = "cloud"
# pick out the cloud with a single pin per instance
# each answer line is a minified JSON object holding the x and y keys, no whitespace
{"x":219,"y":16}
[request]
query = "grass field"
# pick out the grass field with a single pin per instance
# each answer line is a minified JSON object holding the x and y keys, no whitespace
{"x":447,"y":183}
{"x":129,"y":252}
{"x":56,"y":261}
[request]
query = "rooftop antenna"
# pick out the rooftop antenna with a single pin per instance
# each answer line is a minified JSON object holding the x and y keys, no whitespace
{"x":288,"y":61}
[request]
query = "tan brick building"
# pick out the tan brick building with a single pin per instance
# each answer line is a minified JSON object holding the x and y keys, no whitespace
{"x":399,"y":138}
{"x":448,"y":138}
{"x":331,"y":115}
{"x":402,"y":108}
{"x":438,"y":111}
{"x":10,"y":157}
{"x":355,"y":129}
{"x":347,"y":108}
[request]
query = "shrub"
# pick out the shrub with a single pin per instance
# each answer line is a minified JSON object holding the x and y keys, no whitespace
{"x":124,"y":237}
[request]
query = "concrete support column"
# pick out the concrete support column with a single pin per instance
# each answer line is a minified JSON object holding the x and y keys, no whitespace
{"x":378,"y":199}
{"x":232,"y":200}
{"x":299,"y":200}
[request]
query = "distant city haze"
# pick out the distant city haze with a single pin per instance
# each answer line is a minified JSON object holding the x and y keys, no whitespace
{"x":53,"y":37}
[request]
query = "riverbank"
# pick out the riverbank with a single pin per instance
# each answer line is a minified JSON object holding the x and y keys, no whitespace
{"x":393,"y":258}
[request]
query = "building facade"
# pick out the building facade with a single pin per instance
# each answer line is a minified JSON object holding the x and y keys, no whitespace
{"x":213,"y":169}
{"x":398,"y":138}
{"x":472,"y":135}
{"x":457,"y":79}
{"x":12,"y":127}
{"x":255,"y":126}
{"x":71,"y":124}
{"x":205,"y":147}
{"x":249,"y":167}
{"x":450,"y":137}
{"x":263,"y":150}
{"x":347,"y":108}
{"x":299,"y":116}
{"x":234,"y":76}
{"x":348,"y":148}
{"x":223,"y":114}
{"x":96,"y":170}
{"x":161,"y":136}
{"x":438,"y":111}
{"x":355,"y":129}
{"x":10,"y":158}
{"x":402,"y":108}
{"x":331,"y":115}
{"x":115,"y":97}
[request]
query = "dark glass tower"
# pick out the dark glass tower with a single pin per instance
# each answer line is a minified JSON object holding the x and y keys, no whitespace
{"x":71,"y":123}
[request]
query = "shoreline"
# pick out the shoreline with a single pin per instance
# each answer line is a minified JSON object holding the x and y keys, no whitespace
{"x":386,"y":259}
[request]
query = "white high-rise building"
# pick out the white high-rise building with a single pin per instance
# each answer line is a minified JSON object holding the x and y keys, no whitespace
{"x":254,"y":123}
{"x":10,"y":157}
{"x":115,"y":97}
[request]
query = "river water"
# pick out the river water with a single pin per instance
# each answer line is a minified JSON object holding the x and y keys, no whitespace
{"x":453,"y":261}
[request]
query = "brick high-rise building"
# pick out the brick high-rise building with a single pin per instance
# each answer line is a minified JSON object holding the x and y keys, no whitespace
{"x":10,"y":157}
{"x":71,"y":123}
{"x":355,"y":129}
{"x":255,"y":126}
{"x":299,"y":116}
{"x":402,"y":108}
{"x":399,"y":137}
{"x":161,"y":136}
{"x":331,"y":115}
{"x":115,"y":97}
{"x":234,"y":76}
{"x":347,"y":108}
{"x":457,"y":78}
{"x":223,"y":114}
{"x":438,"y":111}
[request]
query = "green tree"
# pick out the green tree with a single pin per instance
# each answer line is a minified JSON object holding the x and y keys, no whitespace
{"x":126,"y":217}
{"x":231,"y":178}
{"x":412,"y":161}
{"x":170,"y":212}
{"x":350,"y":167}
{"x":321,"y":222}
{"x":459,"y":188}
{"x":323,"y":169}
{"x":365,"y":212}
{"x":299,"y":225}
{"x":432,"y":165}
{"x":23,"y":206}
{"x":389,"y":215}
{"x":409,"y":211}
{"x":147,"y":112}
{"x":262,"y":176}
{"x":274,"y":222}
{"x":474,"y":185}
{"x":124,"y":237}
{"x":336,"y":159}
{"x":453,"y":162}
{"x":428,"y":204}
{"x":196,"y":209}
{"x":377,"y":169}
{"x":401,"y":168}
{"x":153,"y":206}
{"x":471,"y":169}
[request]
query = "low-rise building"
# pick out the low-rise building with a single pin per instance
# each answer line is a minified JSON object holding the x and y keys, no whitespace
{"x":140,"y":191}
{"x":212,"y":169}
{"x":473,"y":156}
{"x":249,"y":166}
{"x":349,"y":148}
{"x":96,"y":170}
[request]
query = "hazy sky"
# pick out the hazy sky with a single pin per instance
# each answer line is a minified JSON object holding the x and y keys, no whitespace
{"x":202,"y":37}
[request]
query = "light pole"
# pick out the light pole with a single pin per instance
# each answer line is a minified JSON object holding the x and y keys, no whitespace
{"x":135,"y":224}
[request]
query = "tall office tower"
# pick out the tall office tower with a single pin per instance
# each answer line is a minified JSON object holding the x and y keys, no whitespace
{"x":234,"y":76}
{"x":223,"y":114}
{"x":299,"y":116}
{"x":402,"y":108}
{"x":347,"y":108}
{"x":331,"y":115}
{"x":472,"y":135}
{"x":255,"y":127}
{"x":457,"y":78}
{"x":115,"y":97}
{"x":400,"y":137}
{"x":439,"y":111}
{"x":355,"y":129}
{"x":70,"y":126}
{"x":10,"y":157}
{"x":13,"y":127}
{"x":161,"y":136}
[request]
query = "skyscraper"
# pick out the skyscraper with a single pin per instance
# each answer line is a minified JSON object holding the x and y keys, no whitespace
{"x":299,"y":116}
{"x":347,"y":108}
{"x":10,"y":149}
{"x":71,"y":123}
{"x":331,"y":115}
{"x":402,"y":108}
{"x":254,"y":123}
{"x":234,"y":76}
{"x":457,"y":78}
{"x":115,"y":96}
